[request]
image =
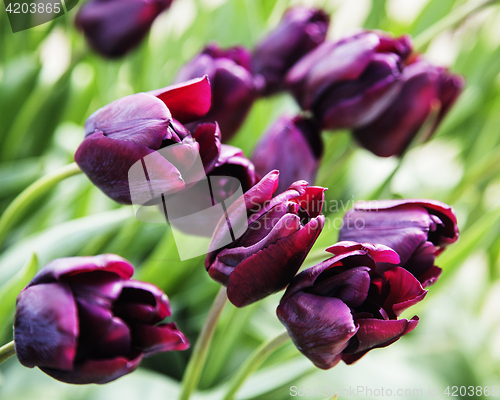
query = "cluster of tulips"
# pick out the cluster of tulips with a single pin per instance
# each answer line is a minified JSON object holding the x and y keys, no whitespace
{"x":83,"y":320}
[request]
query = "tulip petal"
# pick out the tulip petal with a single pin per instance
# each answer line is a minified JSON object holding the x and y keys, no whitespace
{"x":286,"y":225}
{"x":393,"y":130}
{"x":448,"y":235}
{"x":403,"y":229}
{"x":57,"y":269}
{"x":96,"y":371}
{"x":422,"y":260}
{"x":156,"y":339}
{"x":404,"y":291}
{"x":139,"y":118}
{"x":46,"y":326}
{"x":259,"y":194}
{"x":108,"y":162}
{"x":430,"y":277}
{"x":378,"y":252}
{"x":271,"y":269}
{"x":187,"y":101}
{"x":142,"y":302}
{"x":374,"y":333}
{"x":208,"y":136}
{"x":350,"y":286}
{"x":101,"y":334}
{"x":320,"y":327}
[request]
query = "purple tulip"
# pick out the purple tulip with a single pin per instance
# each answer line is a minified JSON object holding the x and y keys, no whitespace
{"x":280,"y":233}
{"x":133,"y":127}
{"x":301,"y":30}
{"x":293,"y":146}
{"x":425,"y":88}
{"x":83,"y":320}
{"x":342,"y":308}
{"x":418,"y":230}
{"x":234,"y":89}
{"x":115,"y":27}
{"x":349,"y":83}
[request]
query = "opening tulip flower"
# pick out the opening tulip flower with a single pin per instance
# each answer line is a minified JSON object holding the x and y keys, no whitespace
{"x":281,"y":231}
{"x":425,"y":89}
{"x":131,"y":128}
{"x":234,"y":88}
{"x":115,"y":27}
{"x":349,"y":83}
{"x":418,"y":230}
{"x":342,"y":308}
{"x":83,"y":320}
{"x":301,"y":30}
{"x":293,"y":146}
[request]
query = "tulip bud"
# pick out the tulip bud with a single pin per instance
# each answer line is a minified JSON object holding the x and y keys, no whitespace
{"x":301,"y":30}
{"x":234,"y":89}
{"x":424,"y":88}
{"x":342,"y":308}
{"x":115,"y":27}
{"x":82,"y":320}
{"x":418,"y":230}
{"x":349,"y":83}
{"x":280,"y":234}
{"x":293,"y":146}
{"x":125,"y":131}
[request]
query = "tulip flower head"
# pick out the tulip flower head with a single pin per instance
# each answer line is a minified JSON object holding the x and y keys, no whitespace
{"x":234,"y":88}
{"x":418,"y":230}
{"x":347,"y":84}
{"x":301,"y":30}
{"x":281,"y":231}
{"x":342,"y":308}
{"x":115,"y":27}
{"x":83,"y":320}
{"x":135,"y":127}
{"x":293,"y":146}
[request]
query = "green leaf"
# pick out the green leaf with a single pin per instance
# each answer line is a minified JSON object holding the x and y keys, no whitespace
{"x":10,"y":290}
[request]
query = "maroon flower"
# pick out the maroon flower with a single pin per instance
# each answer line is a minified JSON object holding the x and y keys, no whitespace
{"x":301,"y":30}
{"x":425,"y":88}
{"x":418,"y":230}
{"x":135,"y":127}
{"x":342,"y":308}
{"x":82,"y":320}
{"x":349,"y":83}
{"x":115,"y":27}
{"x":280,"y":233}
{"x":293,"y":146}
{"x":234,"y":89}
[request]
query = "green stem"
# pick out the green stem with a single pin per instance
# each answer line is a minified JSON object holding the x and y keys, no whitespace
{"x":197,"y":361}
{"x":454,"y":18}
{"x":253,"y":362}
{"x":7,"y":351}
{"x":15,"y":210}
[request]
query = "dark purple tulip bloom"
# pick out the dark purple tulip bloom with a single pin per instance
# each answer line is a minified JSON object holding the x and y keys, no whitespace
{"x":425,"y":88}
{"x":83,"y":320}
{"x":115,"y":27}
{"x":127,"y":130}
{"x":293,"y":146}
{"x":234,"y":89}
{"x":281,"y":231}
{"x":342,"y":308}
{"x":347,"y":84}
{"x":301,"y":30}
{"x":418,"y":230}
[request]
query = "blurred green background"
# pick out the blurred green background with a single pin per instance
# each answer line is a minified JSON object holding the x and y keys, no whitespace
{"x":50,"y":83}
